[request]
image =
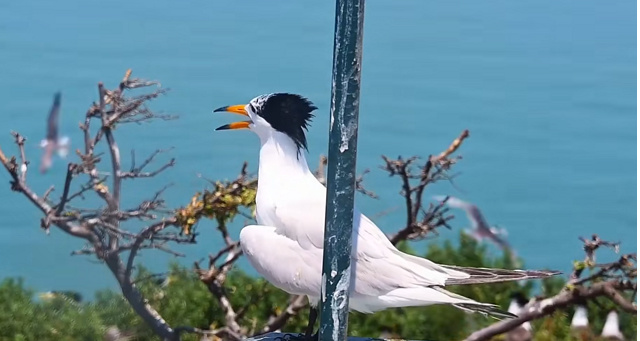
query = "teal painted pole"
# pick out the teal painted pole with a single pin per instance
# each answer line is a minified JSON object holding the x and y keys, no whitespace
{"x":341,"y":168}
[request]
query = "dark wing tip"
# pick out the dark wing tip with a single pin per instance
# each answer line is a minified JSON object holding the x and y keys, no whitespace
{"x":487,"y":310}
{"x":488,"y":275}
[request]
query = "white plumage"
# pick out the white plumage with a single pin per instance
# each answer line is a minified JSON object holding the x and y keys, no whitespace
{"x":611,"y":329}
{"x":580,"y":317}
{"x":286,"y":246}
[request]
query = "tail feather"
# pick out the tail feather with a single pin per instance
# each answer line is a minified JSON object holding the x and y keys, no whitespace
{"x":487,"y":275}
{"x":469,"y":305}
{"x":486,"y":310}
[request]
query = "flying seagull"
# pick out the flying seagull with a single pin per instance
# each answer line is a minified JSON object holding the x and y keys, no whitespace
{"x":52,"y":142}
{"x":480,"y":229}
{"x":286,"y":246}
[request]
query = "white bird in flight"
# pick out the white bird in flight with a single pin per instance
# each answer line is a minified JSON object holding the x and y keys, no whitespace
{"x":480,"y":229}
{"x":286,"y":247}
{"x":52,"y":142}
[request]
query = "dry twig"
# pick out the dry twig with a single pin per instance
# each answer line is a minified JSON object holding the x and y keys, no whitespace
{"x":616,"y":281}
{"x":421,"y":221}
{"x":321,"y":176}
{"x":101,"y":228}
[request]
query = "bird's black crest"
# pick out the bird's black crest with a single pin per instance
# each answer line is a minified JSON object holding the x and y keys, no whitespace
{"x":519,"y":297}
{"x":289,"y":114}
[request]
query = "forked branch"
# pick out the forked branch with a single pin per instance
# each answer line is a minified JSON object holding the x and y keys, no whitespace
{"x":615,"y":281}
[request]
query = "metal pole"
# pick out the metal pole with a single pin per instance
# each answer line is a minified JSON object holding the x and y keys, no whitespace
{"x":343,"y":134}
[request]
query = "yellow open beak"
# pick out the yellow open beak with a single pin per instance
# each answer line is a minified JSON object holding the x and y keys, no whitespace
{"x":236,"y":109}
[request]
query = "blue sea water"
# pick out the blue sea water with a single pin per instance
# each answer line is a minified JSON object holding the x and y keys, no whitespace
{"x":546,"y":88}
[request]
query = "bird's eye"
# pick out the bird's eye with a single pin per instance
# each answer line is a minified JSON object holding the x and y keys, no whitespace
{"x":253,"y":109}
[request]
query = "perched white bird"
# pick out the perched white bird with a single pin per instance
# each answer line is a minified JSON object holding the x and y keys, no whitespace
{"x":480,"y":229}
{"x":286,"y":246}
{"x":580,"y":328}
{"x":523,"y":331}
{"x":611,"y":329}
{"x":580,"y":317}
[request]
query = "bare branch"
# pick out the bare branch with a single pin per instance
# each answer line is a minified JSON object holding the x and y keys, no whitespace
{"x":145,"y":162}
{"x":131,"y":110}
{"x":115,"y":164}
{"x":5,"y":161}
{"x":86,"y":187}
{"x":296,"y":304}
{"x":424,"y":180}
{"x":590,"y":247}
{"x":360,"y":187}
{"x":20,"y":186}
{"x":138,"y":174}
{"x":433,"y":218}
{"x":214,"y":279}
{"x":614,"y":281}
{"x":112,"y":230}
{"x":452,"y":148}
{"x":86,"y":250}
{"x":548,"y":306}
{"x":65,"y":193}
{"x":320,"y":175}
{"x":20,"y":140}
{"x":139,"y":304}
{"x":162,"y":247}
{"x":141,"y":237}
{"x":222,"y":252}
{"x":101,"y":227}
{"x":419,"y":221}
